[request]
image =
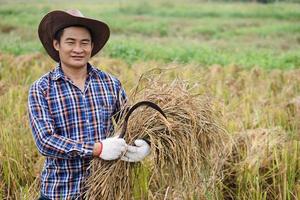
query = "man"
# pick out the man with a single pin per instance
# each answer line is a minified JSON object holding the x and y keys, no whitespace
{"x":70,"y":107}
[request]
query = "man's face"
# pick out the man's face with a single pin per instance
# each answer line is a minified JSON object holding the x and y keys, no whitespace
{"x":75,"y":47}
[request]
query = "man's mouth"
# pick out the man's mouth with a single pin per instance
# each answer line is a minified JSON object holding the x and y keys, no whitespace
{"x":77,"y":57}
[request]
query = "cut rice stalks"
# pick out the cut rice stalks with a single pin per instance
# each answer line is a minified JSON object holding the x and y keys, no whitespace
{"x":185,"y":149}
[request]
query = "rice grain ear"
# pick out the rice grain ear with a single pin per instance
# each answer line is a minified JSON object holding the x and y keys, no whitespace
{"x":184,"y":147}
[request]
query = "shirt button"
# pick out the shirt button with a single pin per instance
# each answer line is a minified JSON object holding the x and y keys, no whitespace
{"x":87,"y":121}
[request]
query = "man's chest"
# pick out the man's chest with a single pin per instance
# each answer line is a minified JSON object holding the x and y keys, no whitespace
{"x":74,"y":110}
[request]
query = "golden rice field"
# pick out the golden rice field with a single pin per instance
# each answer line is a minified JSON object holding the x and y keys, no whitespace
{"x":258,"y":111}
{"x":227,"y":75}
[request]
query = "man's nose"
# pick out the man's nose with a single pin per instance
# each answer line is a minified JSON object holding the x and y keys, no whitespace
{"x":78,"y":48}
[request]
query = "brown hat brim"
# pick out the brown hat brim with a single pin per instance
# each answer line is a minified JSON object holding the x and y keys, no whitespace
{"x":56,"y":20}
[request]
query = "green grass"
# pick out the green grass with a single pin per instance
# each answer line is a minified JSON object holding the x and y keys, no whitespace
{"x":169,"y":51}
{"x":245,"y":34}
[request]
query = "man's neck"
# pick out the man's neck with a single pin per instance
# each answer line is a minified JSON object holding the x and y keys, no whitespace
{"x":75,"y":74}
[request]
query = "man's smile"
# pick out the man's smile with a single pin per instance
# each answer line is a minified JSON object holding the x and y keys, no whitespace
{"x":77,"y":57}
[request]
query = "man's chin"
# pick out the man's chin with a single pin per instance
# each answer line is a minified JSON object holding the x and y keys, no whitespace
{"x":78,"y":64}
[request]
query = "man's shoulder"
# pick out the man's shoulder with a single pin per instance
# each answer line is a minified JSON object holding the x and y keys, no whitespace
{"x":42,"y":83}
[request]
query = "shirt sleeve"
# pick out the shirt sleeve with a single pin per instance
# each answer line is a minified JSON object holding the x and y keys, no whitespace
{"x":47,"y":141}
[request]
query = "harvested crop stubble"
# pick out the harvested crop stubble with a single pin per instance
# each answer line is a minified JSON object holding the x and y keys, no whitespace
{"x":185,"y":148}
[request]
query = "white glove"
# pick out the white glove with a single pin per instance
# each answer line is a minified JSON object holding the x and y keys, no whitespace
{"x":112,"y":148}
{"x":136,"y":153}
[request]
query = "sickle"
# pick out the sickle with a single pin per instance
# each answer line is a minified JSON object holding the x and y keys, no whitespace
{"x":135,"y":106}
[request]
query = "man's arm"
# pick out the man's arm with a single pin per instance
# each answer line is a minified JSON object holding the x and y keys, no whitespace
{"x":47,"y":141}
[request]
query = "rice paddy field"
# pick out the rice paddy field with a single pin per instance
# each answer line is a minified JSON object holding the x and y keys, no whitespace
{"x":226,"y":73}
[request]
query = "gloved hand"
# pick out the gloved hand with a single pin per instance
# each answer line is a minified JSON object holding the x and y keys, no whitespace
{"x":112,"y":148}
{"x":138,"y":152}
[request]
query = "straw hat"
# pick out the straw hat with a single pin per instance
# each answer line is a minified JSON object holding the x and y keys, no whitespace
{"x":57,"y":20}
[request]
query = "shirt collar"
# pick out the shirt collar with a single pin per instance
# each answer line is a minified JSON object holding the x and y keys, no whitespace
{"x":58,"y":72}
{"x":91,"y":69}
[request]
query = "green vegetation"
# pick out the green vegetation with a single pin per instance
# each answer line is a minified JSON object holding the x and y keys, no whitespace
{"x":247,"y":34}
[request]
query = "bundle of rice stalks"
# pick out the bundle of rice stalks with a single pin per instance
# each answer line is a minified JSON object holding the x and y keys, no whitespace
{"x":185,"y":147}
{"x":258,"y":164}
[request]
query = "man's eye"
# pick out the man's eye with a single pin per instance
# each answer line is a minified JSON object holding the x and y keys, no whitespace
{"x":70,"y":42}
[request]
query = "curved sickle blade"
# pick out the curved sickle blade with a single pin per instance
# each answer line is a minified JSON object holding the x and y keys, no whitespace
{"x":134,"y":107}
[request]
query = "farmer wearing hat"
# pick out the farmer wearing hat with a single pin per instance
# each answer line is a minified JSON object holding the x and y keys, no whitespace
{"x":70,"y":107}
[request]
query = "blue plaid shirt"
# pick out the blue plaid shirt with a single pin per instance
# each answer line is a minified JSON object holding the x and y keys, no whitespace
{"x":66,"y":123}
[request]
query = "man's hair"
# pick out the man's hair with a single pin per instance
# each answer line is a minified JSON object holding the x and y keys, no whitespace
{"x":58,"y":34}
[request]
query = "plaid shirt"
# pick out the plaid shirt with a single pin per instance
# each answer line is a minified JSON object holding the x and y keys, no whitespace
{"x":66,"y":123}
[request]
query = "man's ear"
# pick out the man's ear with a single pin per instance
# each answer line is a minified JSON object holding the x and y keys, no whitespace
{"x":56,"y":45}
{"x":92,"y":45}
